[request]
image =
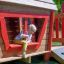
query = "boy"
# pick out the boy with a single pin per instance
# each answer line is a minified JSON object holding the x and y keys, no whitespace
{"x":26,"y":38}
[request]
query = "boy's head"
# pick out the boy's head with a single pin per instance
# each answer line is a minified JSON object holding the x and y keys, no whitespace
{"x":32,"y":28}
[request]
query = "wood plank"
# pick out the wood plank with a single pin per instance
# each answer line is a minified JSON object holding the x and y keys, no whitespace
{"x":9,"y":59}
{"x":51,"y":30}
{"x":19,"y":57}
{"x":37,"y":53}
{"x":58,"y":54}
{"x":56,"y":57}
{"x":58,"y":39}
{"x":56,"y":47}
{"x":1,"y":54}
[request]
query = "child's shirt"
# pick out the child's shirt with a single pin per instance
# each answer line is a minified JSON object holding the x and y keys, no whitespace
{"x":20,"y":37}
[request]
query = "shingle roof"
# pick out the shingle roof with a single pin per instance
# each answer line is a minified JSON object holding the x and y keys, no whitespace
{"x":48,"y":4}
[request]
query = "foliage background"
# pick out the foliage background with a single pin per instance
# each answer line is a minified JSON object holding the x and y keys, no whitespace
{"x":59,"y":4}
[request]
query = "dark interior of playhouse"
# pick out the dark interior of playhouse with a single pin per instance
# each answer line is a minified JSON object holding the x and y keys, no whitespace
{"x":13,"y":29}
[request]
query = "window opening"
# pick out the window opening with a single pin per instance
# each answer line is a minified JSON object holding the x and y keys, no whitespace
{"x":12,"y":27}
{"x":38,"y":22}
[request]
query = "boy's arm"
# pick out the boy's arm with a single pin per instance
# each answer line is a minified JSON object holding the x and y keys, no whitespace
{"x":29,"y":39}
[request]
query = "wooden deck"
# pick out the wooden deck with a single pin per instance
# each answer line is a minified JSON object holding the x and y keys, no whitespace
{"x":56,"y":47}
{"x":20,"y":57}
{"x":28,"y":55}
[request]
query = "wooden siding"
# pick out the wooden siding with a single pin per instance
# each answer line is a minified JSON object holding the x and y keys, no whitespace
{"x":23,"y":9}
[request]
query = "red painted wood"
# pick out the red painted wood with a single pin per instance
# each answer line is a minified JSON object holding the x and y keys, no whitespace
{"x":32,"y":20}
{"x":12,"y":14}
{"x":57,"y":26}
{"x":42,"y":32}
{"x":63,"y":28}
{"x":4,"y":33}
{"x":25,"y":25}
{"x":58,"y":39}
{"x":47,"y":55}
{"x":51,"y":30}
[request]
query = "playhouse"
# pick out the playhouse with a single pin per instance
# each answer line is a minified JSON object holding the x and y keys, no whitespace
{"x":17,"y":13}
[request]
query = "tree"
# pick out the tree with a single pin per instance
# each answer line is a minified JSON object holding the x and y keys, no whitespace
{"x":59,"y":4}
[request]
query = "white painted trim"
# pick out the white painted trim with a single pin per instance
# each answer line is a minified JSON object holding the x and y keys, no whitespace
{"x":37,"y":53}
{"x":33,"y":3}
{"x":49,"y":1}
{"x":19,"y":57}
{"x":56,"y":47}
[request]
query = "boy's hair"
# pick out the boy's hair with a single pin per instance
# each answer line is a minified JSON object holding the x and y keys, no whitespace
{"x":32,"y":28}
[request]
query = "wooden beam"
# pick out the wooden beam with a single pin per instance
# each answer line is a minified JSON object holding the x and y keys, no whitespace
{"x":62,"y":28}
{"x":58,"y":39}
{"x":56,"y":47}
{"x":47,"y":55}
{"x":57,"y":26}
{"x":19,"y":57}
{"x":50,"y":30}
{"x":26,"y":15}
{"x":42,"y":32}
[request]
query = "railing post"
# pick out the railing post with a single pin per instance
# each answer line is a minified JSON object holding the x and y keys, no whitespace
{"x":57,"y":26}
{"x":62,"y":28}
{"x":51,"y":30}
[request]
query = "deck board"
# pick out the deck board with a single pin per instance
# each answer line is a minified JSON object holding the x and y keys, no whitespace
{"x":19,"y":57}
{"x":58,"y":54}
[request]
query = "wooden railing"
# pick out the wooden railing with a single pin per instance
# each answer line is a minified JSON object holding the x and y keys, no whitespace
{"x":57,"y":26}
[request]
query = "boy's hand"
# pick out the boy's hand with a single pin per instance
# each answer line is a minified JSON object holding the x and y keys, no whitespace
{"x":23,"y":41}
{"x":24,"y":35}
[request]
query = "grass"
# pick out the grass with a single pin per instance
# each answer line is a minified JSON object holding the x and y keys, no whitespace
{"x":57,"y":44}
{"x":39,"y":60}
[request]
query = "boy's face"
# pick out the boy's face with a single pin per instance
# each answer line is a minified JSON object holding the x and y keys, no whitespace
{"x":31,"y":32}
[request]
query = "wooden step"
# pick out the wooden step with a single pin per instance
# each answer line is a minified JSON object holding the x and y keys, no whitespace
{"x":58,"y":54}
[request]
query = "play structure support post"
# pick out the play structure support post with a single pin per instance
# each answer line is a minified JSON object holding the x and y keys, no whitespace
{"x":28,"y":60}
{"x":62,"y":28}
{"x":57,"y":26}
{"x":51,"y":30}
{"x":47,"y":55}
